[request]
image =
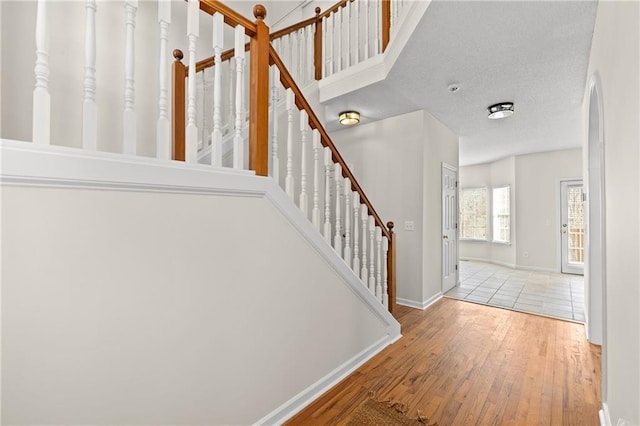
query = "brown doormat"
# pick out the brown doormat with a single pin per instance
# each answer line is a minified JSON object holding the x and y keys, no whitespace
{"x":378,"y":413}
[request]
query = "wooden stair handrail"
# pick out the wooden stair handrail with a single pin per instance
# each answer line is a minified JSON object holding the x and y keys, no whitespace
{"x":289,"y":83}
{"x":231,"y":17}
{"x":262,"y":56}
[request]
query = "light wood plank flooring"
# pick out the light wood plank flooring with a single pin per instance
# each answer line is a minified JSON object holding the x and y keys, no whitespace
{"x":463,"y":363}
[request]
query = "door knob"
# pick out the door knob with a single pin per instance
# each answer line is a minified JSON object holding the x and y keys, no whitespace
{"x":444,"y":237}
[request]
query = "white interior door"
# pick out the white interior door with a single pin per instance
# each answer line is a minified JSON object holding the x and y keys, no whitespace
{"x":449,"y":227}
{"x":572,"y":226}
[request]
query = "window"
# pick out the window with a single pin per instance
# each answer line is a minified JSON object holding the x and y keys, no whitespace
{"x":473,"y":213}
{"x":501,"y":216}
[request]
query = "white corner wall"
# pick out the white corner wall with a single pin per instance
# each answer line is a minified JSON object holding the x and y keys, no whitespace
{"x":440,"y":146}
{"x":538,"y":224}
{"x":145,"y":302}
{"x":535,"y":207}
{"x":615,"y":58}
{"x":387,"y":159}
{"x":398,"y":163}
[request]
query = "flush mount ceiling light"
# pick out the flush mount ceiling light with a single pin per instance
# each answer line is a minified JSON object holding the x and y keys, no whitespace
{"x":349,"y":118}
{"x":501,"y":110}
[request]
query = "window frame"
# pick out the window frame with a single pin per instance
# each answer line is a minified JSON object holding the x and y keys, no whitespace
{"x":460,"y":221}
{"x":495,"y":228}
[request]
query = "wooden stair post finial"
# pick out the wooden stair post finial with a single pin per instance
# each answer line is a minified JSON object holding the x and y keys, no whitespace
{"x":259,"y":96}
{"x":317,"y":46}
{"x":391,"y":269}
{"x":178,"y":76}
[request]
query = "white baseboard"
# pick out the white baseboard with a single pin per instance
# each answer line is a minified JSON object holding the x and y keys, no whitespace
{"x":495,"y":262}
{"x":536,"y":269}
{"x":313,"y":392}
{"x":419,"y":305}
{"x":605,"y":418}
{"x":511,"y":265}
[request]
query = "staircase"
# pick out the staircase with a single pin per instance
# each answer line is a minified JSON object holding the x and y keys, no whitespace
{"x":237,"y":123}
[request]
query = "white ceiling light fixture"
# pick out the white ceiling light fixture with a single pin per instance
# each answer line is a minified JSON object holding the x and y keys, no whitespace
{"x":501,"y":110}
{"x":349,"y":118}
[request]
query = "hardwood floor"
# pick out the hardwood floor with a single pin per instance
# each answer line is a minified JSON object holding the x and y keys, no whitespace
{"x":465,"y":364}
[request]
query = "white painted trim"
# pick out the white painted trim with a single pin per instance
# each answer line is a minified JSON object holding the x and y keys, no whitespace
{"x":313,"y":392}
{"x":26,"y":164}
{"x":603,"y":414}
{"x":419,"y":305}
{"x":495,"y":262}
{"x":536,"y":268}
{"x":510,"y":265}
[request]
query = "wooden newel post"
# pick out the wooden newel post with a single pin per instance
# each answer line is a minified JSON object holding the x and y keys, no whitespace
{"x":386,"y":23}
{"x":317,"y":46}
{"x":391,"y":269}
{"x":259,"y":96}
{"x":178,"y":76}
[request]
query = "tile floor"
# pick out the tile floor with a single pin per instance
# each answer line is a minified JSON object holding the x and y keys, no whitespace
{"x":543,"y":293}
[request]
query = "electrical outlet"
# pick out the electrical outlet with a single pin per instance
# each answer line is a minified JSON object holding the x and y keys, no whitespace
{"x":409,"y":225}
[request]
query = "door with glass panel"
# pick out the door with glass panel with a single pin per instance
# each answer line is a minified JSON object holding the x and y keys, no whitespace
{"x":572,"y":226}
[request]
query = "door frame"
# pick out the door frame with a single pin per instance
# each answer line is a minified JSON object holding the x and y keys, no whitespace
{"x":456,"y":215}
{"x":563,"y":250}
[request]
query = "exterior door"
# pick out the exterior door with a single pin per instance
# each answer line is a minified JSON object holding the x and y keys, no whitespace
{"x":449,"y":227}
{"x":572,"y":226}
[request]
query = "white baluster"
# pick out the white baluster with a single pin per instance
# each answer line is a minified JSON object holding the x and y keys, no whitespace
{"x":163,"y":127}
{"x":310,"y":63}
{"x":347,"y":13}
{"x":385,"y":272}
{"x":372,"y":278}
{"x":216,"y":135}
{"x":330,"y":65}
{"x":378,"y":264}
{"x":41,"y":125}
{"x":356,"y":31}
{"x":356,"y":234}
{"x":315,"y":211}
{"x":325,"y":46}
{"x":89,"y":106}
{"x":338,"y":31}
{"x":378,"y":25}
{"x":288,"y":181}
{"x":193,"y":31}
{"x":304,"y":199}
{"x":232,"y":85}
{"x":337,"y":239}
{"x":129,"y":123}
{"x":327,"y":194}
{"x":275,"y":84}
{"x":347,"y":221}
{"x":238,"y":142}
{"x":366,"y":30}
{"x":299,"y":67}
{"x":364,"y":217}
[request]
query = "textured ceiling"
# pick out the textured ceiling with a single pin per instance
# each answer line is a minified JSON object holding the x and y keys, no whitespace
{"x":532,"y":53}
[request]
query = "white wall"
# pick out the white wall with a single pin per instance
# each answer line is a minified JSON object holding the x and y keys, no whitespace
{"x":125,"y":307}
{"x":538,"y":224}
{"x":398,"y":163}
{"x":614,"y":58}
{"x":440,"y":146}
{"x":535,"y":207}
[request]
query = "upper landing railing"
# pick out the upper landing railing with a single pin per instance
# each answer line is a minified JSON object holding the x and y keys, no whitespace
{"x":249,"y":114}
